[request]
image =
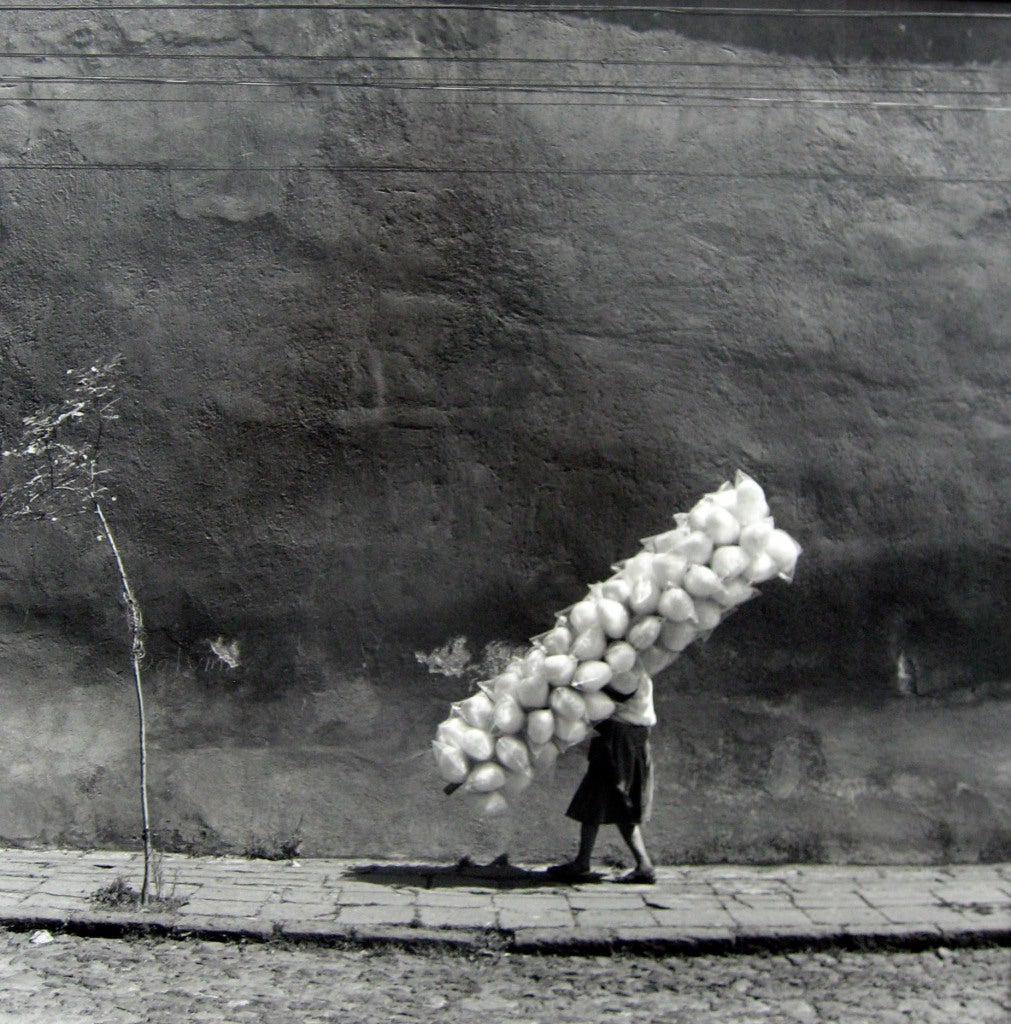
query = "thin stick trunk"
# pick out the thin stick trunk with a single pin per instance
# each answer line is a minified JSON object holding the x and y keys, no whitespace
{"x":136,"y":623}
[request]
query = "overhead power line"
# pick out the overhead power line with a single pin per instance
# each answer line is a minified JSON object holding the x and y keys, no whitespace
{"x":438,"y":59}
{"x":518,"y":8}
{"x":484,"y":84}
{"x":155,"y":167}
{"x":639,"y":103}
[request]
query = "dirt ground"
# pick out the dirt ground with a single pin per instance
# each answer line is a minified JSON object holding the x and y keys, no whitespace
{"x":71,"y":979}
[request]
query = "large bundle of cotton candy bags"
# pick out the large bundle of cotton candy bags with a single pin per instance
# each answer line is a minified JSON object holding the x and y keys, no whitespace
{"x":673,"y":592}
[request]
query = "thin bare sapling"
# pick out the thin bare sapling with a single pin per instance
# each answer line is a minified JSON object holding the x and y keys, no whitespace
{"x":56,"y":473}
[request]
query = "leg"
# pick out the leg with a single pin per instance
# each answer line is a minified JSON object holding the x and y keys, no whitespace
{"x":587,"y":839}
{"x":578,"y":869}
{"x":632,"y":834}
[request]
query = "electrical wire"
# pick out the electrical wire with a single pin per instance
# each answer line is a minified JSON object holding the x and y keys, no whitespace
{"x":518,"y":8}
{"x":648,"y":89}
{"x":157,"y":167}
{"x":603,"y":62}
{"x":660,"y":104}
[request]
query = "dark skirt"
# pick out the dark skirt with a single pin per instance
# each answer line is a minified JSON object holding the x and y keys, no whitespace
{"x":618,"y":786}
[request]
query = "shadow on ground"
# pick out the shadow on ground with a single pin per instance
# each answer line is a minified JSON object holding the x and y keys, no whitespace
{"x":498,"y":874}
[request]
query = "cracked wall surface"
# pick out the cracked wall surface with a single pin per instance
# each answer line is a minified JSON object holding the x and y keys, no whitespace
{"x":408,"y":363}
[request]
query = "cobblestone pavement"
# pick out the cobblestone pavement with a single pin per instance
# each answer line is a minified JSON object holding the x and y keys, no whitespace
{"x":113,"y":981}
{"x":697,"y":909}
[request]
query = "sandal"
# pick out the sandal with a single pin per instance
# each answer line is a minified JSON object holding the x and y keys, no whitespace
{"x":637,"y":877}
{"x":571,"y":874}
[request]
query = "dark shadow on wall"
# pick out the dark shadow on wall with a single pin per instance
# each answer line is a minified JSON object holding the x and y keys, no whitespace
{"x":846,"y":39}
{"x":915,"y":621}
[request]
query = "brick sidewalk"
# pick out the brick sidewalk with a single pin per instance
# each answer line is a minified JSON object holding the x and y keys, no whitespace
{"x":705,"y":908}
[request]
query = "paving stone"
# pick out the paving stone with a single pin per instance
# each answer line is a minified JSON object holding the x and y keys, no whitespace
{"x":465,"y":898}
{"x":712,"y":917}
{"x":43,"y":901}
{"x":371,"y":896}
{"x":689,"y":934}
{"x":910,"y":914}
{"x":640,"y":917}
{"x":376,"y":914}
{"x":993,"y":894}
{"x":751,"y":918}
{"x":862,"y":915}
{"x":619,"y":901}
{"x":511,"y":919}
{"x":299,"y":912}
{"x":875,"y":902}
{"x":20,"y":885}
{"x":531,"y":903}
{"x":558,"y":938}
{"x":458,"y":917}
{"x":223,"y":908}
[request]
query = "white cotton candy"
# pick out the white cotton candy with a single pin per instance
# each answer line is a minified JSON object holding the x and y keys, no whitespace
{"x":516,"y":782}
{"x":784,"y":551}
{"x":477,"y":710}
{"x":583,"y":615}
{"x":509,"y":716}
{"x":698,"y":514}
{"x":662,"y":543}
{"x":452,"y":730}
{"x":559,"y":668}
{"x":540,"y":726}
{"x":751,"y":504}
{"x":532,"y":691}
{"x":696,"y":547}
{"x":613,"y":616}
{"x":737,"y":591}
{"x":644,"y":632}
{"x":676,"y":605}
{"x":566,"y":703}
{"x":477,"y":744}
{"x":669,"y":569}
{"x":715,"y":521}
{"x":589,"y":644}
{"x":755,"y":535}
{"x":725,"y":496}
{"x":533,"y":661}
{"x":485,"y":778}
{"x":505,"y":683}
{"x":451,"y":762}
{"x":627,"y":682}
{"x":644,"y":596}
{"x":656,"y":659}
{"x":701,"y":581}
{"x":707,"y":614}
{"x":620,"y":656}
{"x":729,"y":561}
{"x":598,"y":706}
{"x":557,"y":640}
{"x":571,"y":731}
{"x":488,"y":805}
{"x":543,"y":756}
{"x":512,"y":753}
{"x":617,"y":588}
{"x":591,"y":676}
{"x":676,"y":636}
{"x":761,"y":568}
{"x":639,"y":566}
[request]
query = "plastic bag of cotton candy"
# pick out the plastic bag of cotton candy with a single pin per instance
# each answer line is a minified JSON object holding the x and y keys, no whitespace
{"x":674,"y":591}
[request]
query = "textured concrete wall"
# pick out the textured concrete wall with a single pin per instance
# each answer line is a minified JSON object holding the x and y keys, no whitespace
{"x":410,"y":364}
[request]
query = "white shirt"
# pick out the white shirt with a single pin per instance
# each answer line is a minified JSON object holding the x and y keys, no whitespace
{"x":638,"y":709}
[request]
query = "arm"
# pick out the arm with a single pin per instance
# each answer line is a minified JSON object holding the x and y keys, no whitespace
{"x":617,"y":696}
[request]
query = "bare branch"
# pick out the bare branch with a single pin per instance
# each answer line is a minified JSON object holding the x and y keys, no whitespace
{"x":54,"y":463}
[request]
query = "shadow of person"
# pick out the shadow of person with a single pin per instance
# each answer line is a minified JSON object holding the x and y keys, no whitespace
{"x":497,"y":874}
